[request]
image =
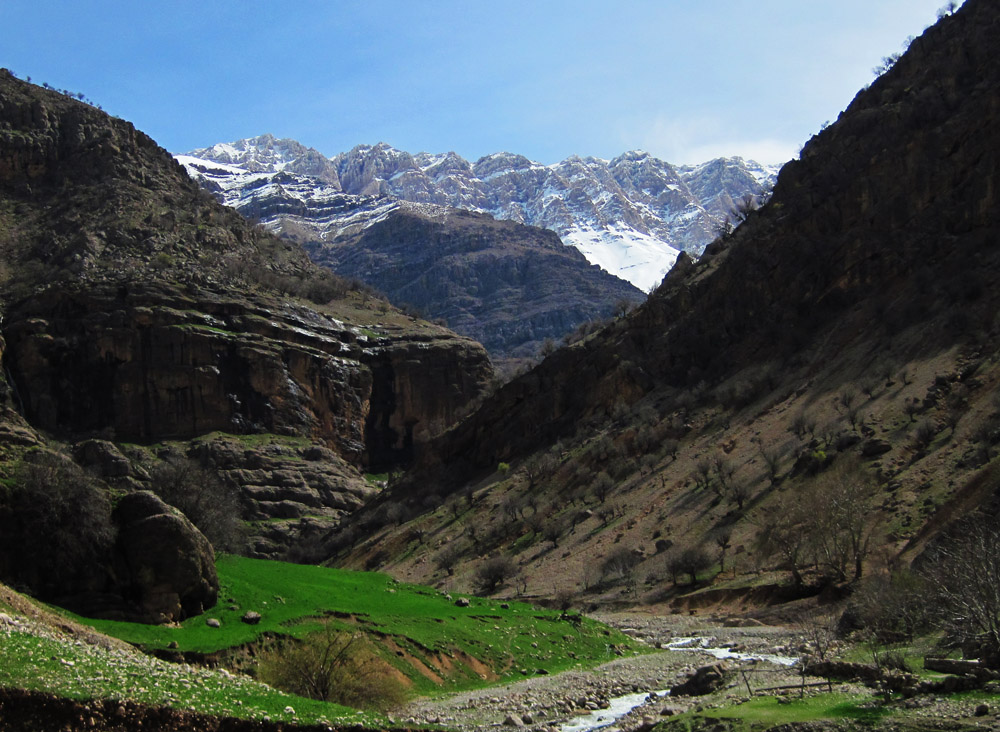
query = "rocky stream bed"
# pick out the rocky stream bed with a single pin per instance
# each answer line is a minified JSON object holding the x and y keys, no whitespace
{"x":575,"y":701}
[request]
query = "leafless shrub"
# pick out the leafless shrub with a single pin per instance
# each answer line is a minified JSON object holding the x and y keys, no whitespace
{"x":494,"y":572}
{"x":333,"y":666}
{"x":210,"y":504}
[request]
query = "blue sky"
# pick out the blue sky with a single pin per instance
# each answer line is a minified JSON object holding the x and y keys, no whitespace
{"x":686,"y":81}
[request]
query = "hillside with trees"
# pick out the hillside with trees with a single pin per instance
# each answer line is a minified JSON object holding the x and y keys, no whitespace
{"x":811,"y":403}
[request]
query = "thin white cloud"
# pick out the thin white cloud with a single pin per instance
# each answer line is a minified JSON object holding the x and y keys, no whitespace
{"x":689,"y":140}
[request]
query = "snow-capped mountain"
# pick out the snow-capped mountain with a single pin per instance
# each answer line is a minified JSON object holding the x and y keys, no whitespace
{"x":631,"y":215}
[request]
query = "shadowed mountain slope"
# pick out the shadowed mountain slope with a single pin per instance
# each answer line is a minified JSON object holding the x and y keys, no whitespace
{"x":873,"y":271}
{"x":509,"y":286}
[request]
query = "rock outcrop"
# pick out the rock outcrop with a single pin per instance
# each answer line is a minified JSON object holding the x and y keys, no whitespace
{"x":152,"y":364}
{"x":170,"y":564}
{"x":702,"y":681}
{"x":138,"y":309}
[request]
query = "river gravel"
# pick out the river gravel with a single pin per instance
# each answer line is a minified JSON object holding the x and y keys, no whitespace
{"x":546,"y":703}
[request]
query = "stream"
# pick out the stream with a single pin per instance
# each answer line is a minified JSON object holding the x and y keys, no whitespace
{"x":697,"y":643}
{"x":603,"y":719}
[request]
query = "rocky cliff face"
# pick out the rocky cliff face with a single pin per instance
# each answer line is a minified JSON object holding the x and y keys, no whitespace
{"x":136,"y":308}
{"x":164,"y":303}
{"x":151,"y":363}
{"x":851,"y":321}
{"x":630,"y":215}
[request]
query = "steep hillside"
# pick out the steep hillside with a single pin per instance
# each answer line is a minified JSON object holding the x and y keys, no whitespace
{"x":136,"y":309}
{"x":845,"y":335}
{"x":630,"y":215}
{"x":510,"y":287}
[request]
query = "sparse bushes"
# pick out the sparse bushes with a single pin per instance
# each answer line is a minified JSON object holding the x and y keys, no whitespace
{"x":802,"y":424}
{"x":583,"y":330}
{"x":333,"y":666}
{"x":316,"y":284}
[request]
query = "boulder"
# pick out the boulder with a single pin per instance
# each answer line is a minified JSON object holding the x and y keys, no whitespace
{"x":102,"y":457}
{"x":875,"y":447}
{"x":703,"y":681}
{"x":170,"y":564}
{"x":251,"y":617}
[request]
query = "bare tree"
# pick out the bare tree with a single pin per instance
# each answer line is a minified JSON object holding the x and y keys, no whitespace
{"x":690,"y":561}
{"x":966,"y":573}
{"x":494,"y":572}
{"x":553,"y":529}
{"x":723,"y":541}
{"x":602,"y":487}
{"x":211,"y":504}
{"x":843,"y":520}
{"x":772,"y":459}
{"x":448,"y":557}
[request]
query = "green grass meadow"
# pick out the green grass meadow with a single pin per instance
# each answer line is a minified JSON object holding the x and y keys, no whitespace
{"x":463,"y":647}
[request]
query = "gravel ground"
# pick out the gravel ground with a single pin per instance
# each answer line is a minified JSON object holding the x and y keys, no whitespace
{"x":546,"y":702}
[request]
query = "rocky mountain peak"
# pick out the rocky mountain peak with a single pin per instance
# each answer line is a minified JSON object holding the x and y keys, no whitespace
{"x":630,"y":216}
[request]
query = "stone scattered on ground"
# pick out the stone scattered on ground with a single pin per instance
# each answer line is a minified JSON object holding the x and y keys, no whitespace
{"x":251,"y":617}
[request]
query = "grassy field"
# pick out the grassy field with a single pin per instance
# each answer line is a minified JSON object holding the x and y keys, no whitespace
{"x":766,"y":712}
{"x":66,"y":667}
{"x":433,"y":641}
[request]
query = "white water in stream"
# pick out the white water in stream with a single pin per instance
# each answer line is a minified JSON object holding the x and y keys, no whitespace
{"x":603,"y":719}
{"x":702,"y":644}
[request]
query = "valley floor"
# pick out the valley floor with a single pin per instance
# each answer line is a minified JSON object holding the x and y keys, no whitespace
{"x":547,"y":702}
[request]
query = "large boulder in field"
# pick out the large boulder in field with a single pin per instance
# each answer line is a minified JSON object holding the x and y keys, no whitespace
{"x":170,"y":564}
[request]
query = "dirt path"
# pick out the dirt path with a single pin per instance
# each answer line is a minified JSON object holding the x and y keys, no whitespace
{"x":546,"y":702}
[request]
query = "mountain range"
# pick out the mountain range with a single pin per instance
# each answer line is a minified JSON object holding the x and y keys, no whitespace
{"x":812,"y":402}
{"x":630,"y":215}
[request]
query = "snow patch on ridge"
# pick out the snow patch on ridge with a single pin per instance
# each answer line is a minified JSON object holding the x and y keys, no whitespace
{"x":631,"y":215}
{"x":639,"y":258}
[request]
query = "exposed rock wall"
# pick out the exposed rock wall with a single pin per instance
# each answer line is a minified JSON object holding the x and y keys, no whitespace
{"x":137,"y":309}
{"x":148,"y":366}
